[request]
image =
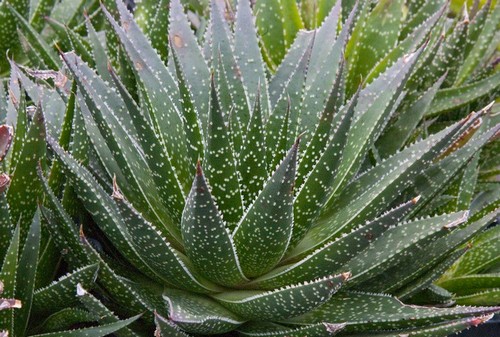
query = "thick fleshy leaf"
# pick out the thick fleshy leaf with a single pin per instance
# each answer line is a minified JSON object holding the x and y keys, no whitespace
{"x":8,"y":277}
{"x":81,"y":253}
{"x":281,"y":303}
{"x":374,"y":37}
{"x":64,"y":319}
{"x":442,"y":329}
{"x":129,"y":231}
{"x":278,"y":22}
{"x":62,"y":293}
{"x":24,"y":188}
{"x":249,"y":58}
{"x":167,"y":328}
{"x":489,"y":296}
{"x":207,"y":241}
{"x":191,"y":117}
{"x":157,"y":252}
{"x":47,"y":54}
{"x":252,"y":160}
{"x":375,"y":106}
{"x":332,"y":256}
{"x":317,"y":185}
{"x":152,"y":17}
{"x":367,"y":196}
{"x":98,"y":331}
{"x":274,"y":330}
{"x":220,"y":164}
{"x":121,"y":137}
{"x":199,"y":314}
{"x":263,"y":233}
{"x":225,"y":65}
{"x":159,"y":93}
{"x":364,"y":311}
{"x":27,"y":269}
{"x":102,"y":314}
{"x":399,"y":243}
{"x":193,"y":64}
{"x":455,"y":97}
{"x":396,"y":135}
{"x":480,"y":46}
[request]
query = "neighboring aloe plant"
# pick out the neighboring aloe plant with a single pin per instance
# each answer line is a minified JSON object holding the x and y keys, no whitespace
{"x":225,"y":196}
{"x":30,"y":302}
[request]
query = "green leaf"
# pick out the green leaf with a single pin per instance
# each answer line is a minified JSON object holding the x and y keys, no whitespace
{"x":281,"y":303}
{"x":8,"y":42}
{"x":398,"y":243}
{"x":261,"y":329}
{"x":471,"y":283}
{"x":62,"y":293}
{"x":121,"y":137}
{"x":456,"y":97}
{"x":160,"y":94}
{"x":292,"y":63}
{"x":398,"y":133}
{"x":157,"y":252}
{"x":98,"y":331}
{"x":446,"y":328}
{"x":378,"y":34}
{"x":47,"y":54}
{"x":367,"y":312}
{"x":220,"y":164}
{"x":318,"y":178}
{"x":152,"y":17}
{"x":40,"y":12}
{"x":249,"y":58}
{"x":368,"y":195}
{"x":375,"y":105}
{"x":486,"y":297}
{"x":482,"y":43}
{"x":425,"y":279}
{"x":191,"y":59}
{"x":333,"y":255}
{"x":194,"y":135}
{"x":410,"y":43}
{"x":252,"y":160}
{"x":278,"y":22}
{"x":207,"y":240}
{"x":81,"y":253}
{"x":468,"y":184}
{"x":485,"y":253}
{"x":418,"y":12}
{"x":264,"y":231}
{"x":325,"y":71}
{"x":25,"y":189}
{"x":64,"y":319}
{"x":27,"y":269}
{"x":167,"y":328}
{"x":8,"y":277}
{"x":101,"y":314}
{"x":286,"y":92}
{"x":225,"y":66}
{"x":199,"y":314}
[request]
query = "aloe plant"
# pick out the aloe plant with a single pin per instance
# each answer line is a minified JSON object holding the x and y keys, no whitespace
{"x":32,"y":298}
{"x":227,"y":194}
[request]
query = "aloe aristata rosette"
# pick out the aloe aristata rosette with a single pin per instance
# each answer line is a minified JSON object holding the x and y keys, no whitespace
{"x":236,"y":200}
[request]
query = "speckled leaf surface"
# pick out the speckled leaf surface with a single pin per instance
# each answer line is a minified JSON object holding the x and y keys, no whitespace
{"x":199,"y":314}
{"x":365,"y":311}
{"x":275,"y":330}
{"x":282,"y":303}
{"x":207,"y":239}
{"x":264,"y":231}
